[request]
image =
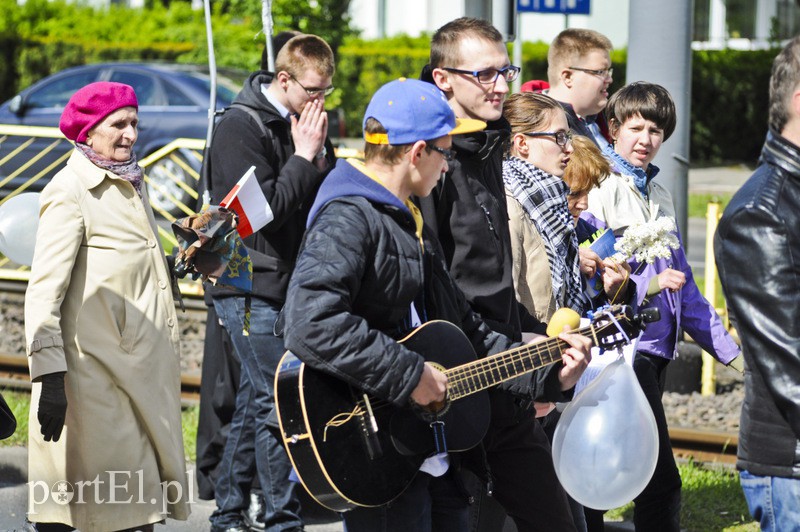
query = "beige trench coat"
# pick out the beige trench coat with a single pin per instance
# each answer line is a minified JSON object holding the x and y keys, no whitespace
{"x":99,"y":306}
{"x":533,"y":281}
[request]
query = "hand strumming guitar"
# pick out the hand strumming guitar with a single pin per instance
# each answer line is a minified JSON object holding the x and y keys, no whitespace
{"x":431,"y":388}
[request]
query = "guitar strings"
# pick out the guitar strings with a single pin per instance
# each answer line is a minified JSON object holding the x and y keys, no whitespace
{"x":461,"y":377}
{"x":470,"y":378}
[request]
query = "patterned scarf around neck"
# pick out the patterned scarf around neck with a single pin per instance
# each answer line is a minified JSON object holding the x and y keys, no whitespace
{"x":128,"y":170}
{"x":619,"y":165}
{"x":543,"y":197}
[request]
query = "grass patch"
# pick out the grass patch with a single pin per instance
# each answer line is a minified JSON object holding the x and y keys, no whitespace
{"x":719,"y":300}
{"x":711,"y":499}
{"x":698,"y":203}
{"x":20,"y":404}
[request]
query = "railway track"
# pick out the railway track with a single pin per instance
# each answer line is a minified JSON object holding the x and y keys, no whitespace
{"x":697,"y":444}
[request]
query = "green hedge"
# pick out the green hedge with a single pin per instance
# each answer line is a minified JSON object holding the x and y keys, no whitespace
{"x":729,"y":87}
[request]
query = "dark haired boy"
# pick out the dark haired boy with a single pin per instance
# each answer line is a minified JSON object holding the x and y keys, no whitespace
{"x":641,"y":117}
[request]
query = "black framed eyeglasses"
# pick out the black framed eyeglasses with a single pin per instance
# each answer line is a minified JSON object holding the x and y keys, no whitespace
{"x":489,"y":75}
{"x":561,"y":137}
{"x":602,"y":72}
{"x":448,"y":155}
{"x":314,"y":91}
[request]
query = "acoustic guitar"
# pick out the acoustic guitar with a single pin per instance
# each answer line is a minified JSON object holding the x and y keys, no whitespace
{"x":350,"y":449}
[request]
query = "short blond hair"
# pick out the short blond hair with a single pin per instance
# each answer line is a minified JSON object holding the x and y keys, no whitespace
{"x":446,"y":42}
{"x":587,"y":167}
{"x":305,"y":52}
{"x":570,"y":46}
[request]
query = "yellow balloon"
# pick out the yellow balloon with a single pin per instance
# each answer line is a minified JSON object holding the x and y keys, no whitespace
{"x":563,"y":316}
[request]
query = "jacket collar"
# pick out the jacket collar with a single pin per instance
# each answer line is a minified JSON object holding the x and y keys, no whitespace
{"x":483,"y":143}
{"x":88,"y":173}
{"x":251,"y":96}
{"x":782,"y":153}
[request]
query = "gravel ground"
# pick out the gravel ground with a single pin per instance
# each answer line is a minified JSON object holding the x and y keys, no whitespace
{"x":718,"y":412}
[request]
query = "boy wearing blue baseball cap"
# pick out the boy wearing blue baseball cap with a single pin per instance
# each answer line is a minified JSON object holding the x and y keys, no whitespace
{"x":369,"y":272}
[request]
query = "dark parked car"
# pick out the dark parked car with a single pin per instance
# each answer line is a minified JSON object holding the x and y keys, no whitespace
{"x":173,"y":103}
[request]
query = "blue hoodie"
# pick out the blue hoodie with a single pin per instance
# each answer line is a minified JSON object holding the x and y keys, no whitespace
{"x":346,"y":180}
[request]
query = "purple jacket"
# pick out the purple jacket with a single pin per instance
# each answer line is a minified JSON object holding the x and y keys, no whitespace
{"x":686,"y":308}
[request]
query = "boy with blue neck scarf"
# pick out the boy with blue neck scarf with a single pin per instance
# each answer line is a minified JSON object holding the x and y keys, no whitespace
{"x":641,"y":117}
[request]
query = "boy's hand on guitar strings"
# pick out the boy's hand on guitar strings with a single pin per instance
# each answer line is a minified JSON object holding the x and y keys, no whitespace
{"x":432,"y":387}
{"x":574,"y":359}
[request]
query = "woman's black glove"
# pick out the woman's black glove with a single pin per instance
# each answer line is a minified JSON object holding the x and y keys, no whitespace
{"x":52,"y":405}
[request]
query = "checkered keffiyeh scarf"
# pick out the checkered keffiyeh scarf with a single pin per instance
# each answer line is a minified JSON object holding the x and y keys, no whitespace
{"x":543,"y":197}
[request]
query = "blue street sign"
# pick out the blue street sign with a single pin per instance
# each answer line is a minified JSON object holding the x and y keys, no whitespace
{"x":564,"y":7}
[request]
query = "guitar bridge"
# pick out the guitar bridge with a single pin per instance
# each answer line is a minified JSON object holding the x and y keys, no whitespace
{"x":369,"y":430}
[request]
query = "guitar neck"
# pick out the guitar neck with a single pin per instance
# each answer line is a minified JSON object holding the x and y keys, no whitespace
{"x":486,"y":372}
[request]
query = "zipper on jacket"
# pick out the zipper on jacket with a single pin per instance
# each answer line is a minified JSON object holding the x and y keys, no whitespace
{"x":489,"y":219}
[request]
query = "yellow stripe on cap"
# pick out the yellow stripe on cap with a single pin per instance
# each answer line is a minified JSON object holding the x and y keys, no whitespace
{"x":376,"y":138}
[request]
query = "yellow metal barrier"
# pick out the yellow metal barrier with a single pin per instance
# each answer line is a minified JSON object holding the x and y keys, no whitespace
{"x":708,"y":381}
{"x":172,"y":157}
{"x":167,"y":159}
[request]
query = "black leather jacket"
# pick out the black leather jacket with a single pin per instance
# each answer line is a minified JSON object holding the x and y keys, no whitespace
{"x":757,"y":249}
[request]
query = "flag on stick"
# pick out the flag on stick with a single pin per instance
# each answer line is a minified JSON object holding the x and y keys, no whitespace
{"x":247,"y":200}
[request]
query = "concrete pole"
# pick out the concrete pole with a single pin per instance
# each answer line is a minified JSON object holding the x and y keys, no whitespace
{"x":717,"y":29}
{"x":659,"y":51}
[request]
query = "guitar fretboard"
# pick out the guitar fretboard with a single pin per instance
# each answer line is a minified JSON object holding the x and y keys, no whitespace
{"x":487,"y":372}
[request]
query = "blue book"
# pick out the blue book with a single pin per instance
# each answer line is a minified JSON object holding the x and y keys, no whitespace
{"x":601,"y":243}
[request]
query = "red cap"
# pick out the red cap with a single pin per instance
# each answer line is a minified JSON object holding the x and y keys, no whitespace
{"x":93,"y":103}
{"x":534,"y":85}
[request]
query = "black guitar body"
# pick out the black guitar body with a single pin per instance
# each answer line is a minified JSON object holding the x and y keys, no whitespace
{"x":340,"y":458}
{"x":350,"y":450}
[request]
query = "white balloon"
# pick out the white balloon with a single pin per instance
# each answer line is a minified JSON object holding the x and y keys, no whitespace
{"x":605,"y":445}
{"x":19,"y":220}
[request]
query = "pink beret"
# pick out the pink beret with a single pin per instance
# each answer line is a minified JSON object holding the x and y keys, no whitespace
{"x":93,"y":103}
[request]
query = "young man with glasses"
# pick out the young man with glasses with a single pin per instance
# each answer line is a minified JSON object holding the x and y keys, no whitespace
{"x":370,"y":270}
{"x":579,"y":71}
{"x":277,"y":124}
{"x":470,"y":64}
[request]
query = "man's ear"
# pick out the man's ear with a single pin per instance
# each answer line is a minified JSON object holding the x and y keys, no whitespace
{"x":442,"y":79}
{"x":567,"y":77}
{"x":282,"y":78}
{"x":416,"y":151}
{"x":796,"y":103}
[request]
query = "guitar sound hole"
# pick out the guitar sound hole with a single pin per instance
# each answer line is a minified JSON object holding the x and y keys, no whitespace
{"x":432,"y":412}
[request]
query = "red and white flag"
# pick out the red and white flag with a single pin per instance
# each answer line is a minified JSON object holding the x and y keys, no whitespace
{"x":247,"y":200}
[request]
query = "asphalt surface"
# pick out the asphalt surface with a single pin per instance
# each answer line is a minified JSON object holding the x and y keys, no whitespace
{"x":13,"y":461}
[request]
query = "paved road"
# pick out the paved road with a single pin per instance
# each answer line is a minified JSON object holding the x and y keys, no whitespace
{"x":14,"y":495}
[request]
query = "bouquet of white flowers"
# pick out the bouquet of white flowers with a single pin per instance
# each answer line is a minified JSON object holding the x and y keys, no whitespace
{"x":647,"y":241}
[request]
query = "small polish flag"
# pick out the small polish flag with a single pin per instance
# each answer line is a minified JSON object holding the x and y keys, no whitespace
{"x":247,"y":200}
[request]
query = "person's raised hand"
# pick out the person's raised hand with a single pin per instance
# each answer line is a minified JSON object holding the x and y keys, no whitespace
{"x":52,"y":406}
{"x":671,"y":279}
{"x":432,"y":387}
{"x":309,"y":130}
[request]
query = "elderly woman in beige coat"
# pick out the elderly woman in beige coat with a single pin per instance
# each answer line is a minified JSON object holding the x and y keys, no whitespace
{"x":105,"y":445}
